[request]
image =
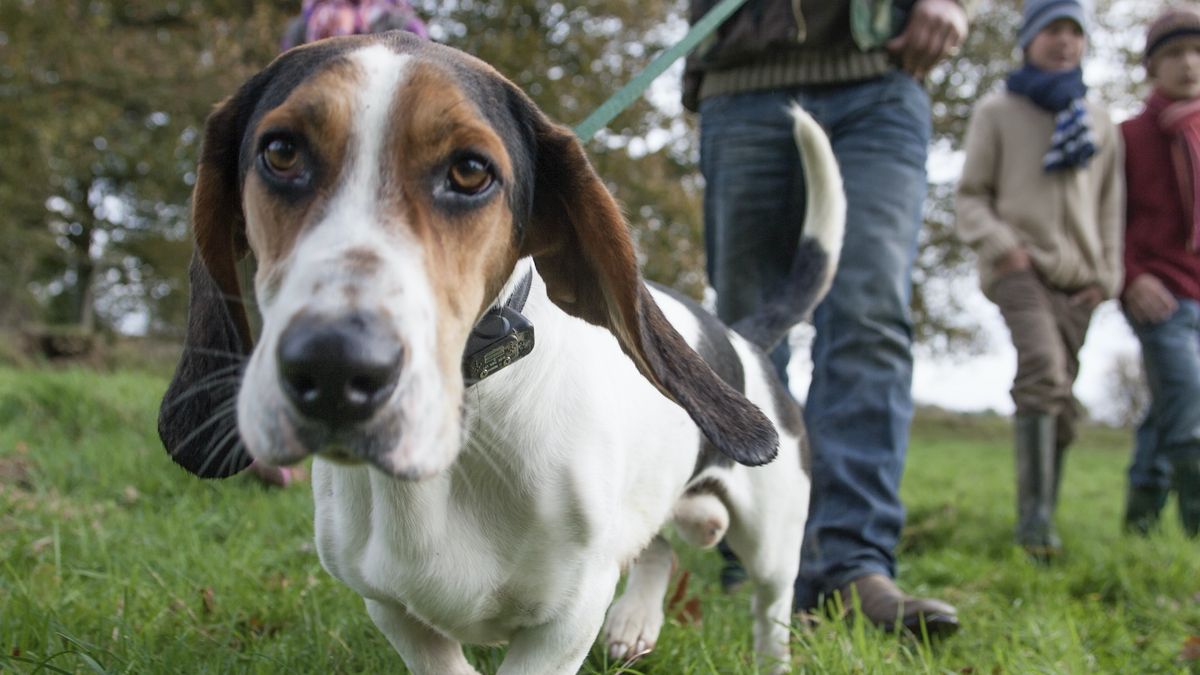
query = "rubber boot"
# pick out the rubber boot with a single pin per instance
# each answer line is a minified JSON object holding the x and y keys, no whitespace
{"x":1185,"y":478}
{"x":1060,"y":453}
{"x":1143,"y":506}
{"x":1037,"y":457}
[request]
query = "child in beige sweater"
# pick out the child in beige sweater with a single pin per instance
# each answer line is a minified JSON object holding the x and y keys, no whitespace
{"x":1041,"y":203}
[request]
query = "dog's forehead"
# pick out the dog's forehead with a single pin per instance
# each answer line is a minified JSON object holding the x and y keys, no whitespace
{"x":474,"y":79}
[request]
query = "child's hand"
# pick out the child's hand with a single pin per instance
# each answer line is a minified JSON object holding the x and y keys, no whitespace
{"x":1148,"y":301}
{"x":1088,"y":297}
{"x":1013,"y":261}
{"x":935,"y":30}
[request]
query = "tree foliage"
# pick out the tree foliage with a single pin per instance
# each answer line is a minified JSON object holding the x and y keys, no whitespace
{"x":102,"y":103}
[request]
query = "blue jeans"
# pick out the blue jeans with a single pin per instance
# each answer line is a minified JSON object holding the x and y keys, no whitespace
{"x":1171,"y":430}
{"x":860,"y":401}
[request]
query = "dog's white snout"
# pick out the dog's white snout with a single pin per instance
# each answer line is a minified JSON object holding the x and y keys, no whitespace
{"x":341,"y":370}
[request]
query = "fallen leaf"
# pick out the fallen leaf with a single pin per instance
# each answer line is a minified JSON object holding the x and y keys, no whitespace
{"x":691,"y":613}
{"x":209,"y":599}
{"x":16,"y":471}
{"x":16,"y":651}
{"x":1191,"y":649}
{"x":40,"y":545}
{"x":130,"y":495}
{"x":680,"y":590}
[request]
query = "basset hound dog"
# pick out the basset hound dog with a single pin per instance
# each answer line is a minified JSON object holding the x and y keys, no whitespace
{"x":503,"y":415}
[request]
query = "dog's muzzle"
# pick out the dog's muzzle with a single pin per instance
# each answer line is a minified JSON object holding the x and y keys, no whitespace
{"x":338,"y":371}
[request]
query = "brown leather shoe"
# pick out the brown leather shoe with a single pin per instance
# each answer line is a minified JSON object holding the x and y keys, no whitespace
{"x":886,"y":606}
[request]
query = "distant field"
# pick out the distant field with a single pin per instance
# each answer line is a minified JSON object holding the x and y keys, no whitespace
{"x":112,"y":560}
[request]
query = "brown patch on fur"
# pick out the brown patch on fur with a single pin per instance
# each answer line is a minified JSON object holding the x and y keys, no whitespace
{"x":320,"y":112}
{"x":362,"y":261}
{"x":468,"y":253}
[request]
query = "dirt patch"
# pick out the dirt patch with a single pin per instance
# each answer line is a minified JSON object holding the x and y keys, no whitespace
{"x":16,"y":471}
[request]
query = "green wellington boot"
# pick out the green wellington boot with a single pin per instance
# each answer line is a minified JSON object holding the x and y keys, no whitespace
{"x":1185,"y":477}
{"x":1143,"y":506}
{"x":1037,"y":457}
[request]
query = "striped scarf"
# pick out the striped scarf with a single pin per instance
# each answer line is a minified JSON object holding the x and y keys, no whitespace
{"x":1063,"y":94}
{"x":1181,"y":120}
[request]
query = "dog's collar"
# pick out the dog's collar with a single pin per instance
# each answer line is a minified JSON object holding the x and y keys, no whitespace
{"x":502,"y":336}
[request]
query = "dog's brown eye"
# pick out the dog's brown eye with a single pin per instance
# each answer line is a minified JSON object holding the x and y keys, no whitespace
{"x":470,"y":176}
{"x":282,"y":157}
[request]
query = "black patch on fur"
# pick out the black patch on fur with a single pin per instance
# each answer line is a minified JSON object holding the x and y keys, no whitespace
{"x":714,"y":345}
{"x":197,"y":421}
{"x":791,"y":415}
{"x":793,"y":302}
{"x":718,"y":352}
{"x":708,"y":485}
{"x":734,"y":426}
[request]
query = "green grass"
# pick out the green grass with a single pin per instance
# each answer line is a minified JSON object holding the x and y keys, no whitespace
{"x":113,"y":560}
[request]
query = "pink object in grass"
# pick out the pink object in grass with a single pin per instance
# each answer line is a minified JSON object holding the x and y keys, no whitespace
{"x":327,"y":18}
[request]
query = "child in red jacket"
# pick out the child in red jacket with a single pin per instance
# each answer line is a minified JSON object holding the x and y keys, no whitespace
{"x":1161,"y":297}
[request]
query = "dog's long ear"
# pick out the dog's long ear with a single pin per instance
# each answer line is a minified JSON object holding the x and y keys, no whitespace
{"x":197,"y":420}
{"x":582,"y":248}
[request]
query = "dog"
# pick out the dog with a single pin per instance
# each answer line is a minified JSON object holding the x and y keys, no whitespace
{"x":396,"y":196}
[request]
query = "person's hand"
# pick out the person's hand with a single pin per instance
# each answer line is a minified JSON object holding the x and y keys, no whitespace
{"x":935,"y":30}
{"x":1013,"y":261}
{"x":1148,"y":301}
{"x":1088,"y":298}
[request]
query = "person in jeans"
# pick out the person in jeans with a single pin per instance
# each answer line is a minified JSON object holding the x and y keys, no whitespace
{"x":1040,"y":202}
{"x":1161,"y":297}
{"x":857,"y":67}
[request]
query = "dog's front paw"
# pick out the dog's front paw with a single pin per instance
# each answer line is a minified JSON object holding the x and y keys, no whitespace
{"x":632,"y":628}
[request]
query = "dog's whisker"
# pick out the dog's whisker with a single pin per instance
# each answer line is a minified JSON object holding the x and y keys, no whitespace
{"x":221,"y":353}
{"x":222,"y":413}
{"x":211,"y":383}
{"x":483,"y":445}
{"x":232,"y":455}
{"x":229,"y":457}
{"x":460,"y":472}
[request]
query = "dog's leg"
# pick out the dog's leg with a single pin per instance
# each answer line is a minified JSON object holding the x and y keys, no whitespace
{"x":424,"y":650}
{"x":635,"y":619}
{"x":769,"y":547}
{"x":562,"y":645}
{"x":772,"y":606}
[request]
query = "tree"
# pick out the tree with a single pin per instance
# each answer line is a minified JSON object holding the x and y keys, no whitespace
{"x":102,"y":102}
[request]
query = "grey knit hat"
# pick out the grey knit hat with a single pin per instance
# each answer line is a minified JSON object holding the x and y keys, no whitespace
{"x":1171,"y":24}
{"x":1037,"y":14}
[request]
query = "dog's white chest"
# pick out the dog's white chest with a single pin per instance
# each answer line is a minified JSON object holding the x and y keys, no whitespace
{"x":478,"y":574}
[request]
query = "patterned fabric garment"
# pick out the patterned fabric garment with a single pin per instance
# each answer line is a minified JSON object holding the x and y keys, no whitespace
{"x":1072,"y":144}
{"x":1063,"y":94}
{"x":327,"y":18}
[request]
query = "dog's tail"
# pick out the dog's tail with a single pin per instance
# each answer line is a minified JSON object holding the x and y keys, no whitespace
{"x":820,"y":242}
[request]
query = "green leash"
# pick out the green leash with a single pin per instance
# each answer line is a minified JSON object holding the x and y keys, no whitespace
{"x":631,"y":91}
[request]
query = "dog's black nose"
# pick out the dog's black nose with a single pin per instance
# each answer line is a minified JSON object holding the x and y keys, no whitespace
{"x":341,"y":370}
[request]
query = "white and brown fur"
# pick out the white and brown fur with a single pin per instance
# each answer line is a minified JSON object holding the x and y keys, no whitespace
{"x":502,"y":513}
